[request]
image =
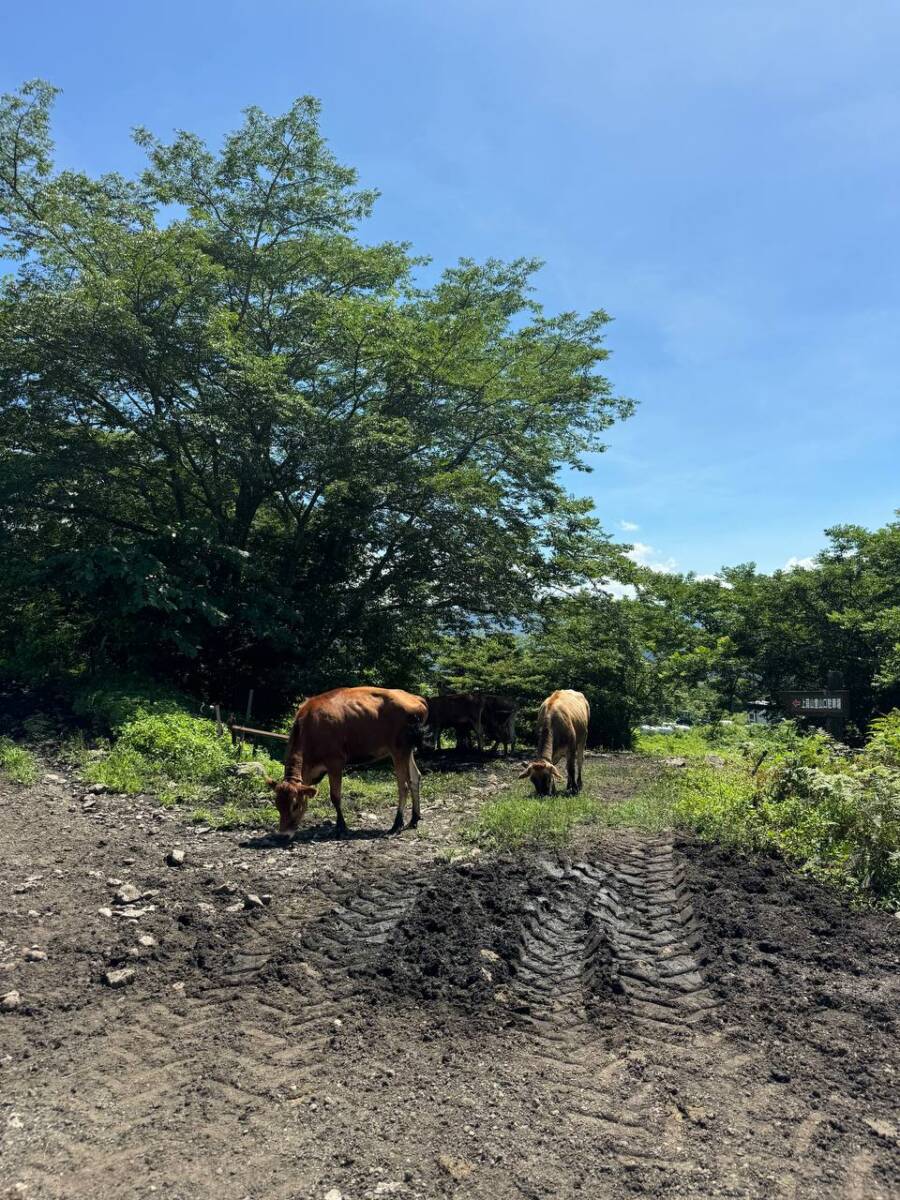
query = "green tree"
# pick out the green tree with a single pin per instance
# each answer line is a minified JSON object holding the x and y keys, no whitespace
{"x":238,"y":442}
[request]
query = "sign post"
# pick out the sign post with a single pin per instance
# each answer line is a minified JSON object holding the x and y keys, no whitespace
{"x":819,"y":706}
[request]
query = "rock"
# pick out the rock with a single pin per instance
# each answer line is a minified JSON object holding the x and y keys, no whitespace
{"x":10,"y":1001}
{"x":388,"y":1188}
{"x":175,"y":857}
{"x":147,"y":940}
{"x":253,"y":901}
{"x":489,"y":955}
{"x":105,"y":912}
{"x":132,"y":913}
{"x":334,"y":1194}
{"x":714,"y":760}
{"x":35,"y":955}
{"x":459,"y":1169}
{"x":225,"y":889}
{"x":50,"y":777}
{"x":243,"y":770}
{"x":177,"y":987}
{"x":128,"y":894}
{"x":206,"y":908}
{"x":232,"y":908}
{"x":119,"y":978}
{"x":87,"y":803}
{"x":113,"y":882}
{"x":96,"y":789}
{"x":266,"y":898}
{"x":884,"y":1129}
{"x":675,"y":762}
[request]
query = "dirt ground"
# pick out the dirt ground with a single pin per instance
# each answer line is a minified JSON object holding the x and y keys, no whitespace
{"x":640,"y":1016}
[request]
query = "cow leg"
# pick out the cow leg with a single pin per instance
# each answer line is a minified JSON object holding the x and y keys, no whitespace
{"x":402,"y":774}
{"x":571,"y":770}
{"x":334,"y":786}
{"x":415,"y":787}
{"x":581,"y":745}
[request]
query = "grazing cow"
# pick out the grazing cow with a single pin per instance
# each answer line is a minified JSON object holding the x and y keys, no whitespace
{"x":499,"y":721}
{"x":350,"y":725}
{"x":461,"y":712}
{"x":562,"y":727}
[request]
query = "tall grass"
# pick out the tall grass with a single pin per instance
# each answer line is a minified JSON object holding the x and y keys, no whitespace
{"x":17,"y":763}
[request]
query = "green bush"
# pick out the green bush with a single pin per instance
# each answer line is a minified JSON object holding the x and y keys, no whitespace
{"x":17,"y":763}
{"x":109,"y":704}
{"x":833,"y":813}
{"x":154,"y":749}
{"x":884,"y":742}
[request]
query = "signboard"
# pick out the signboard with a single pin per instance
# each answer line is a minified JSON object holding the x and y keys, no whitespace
{"x":820,"y":706}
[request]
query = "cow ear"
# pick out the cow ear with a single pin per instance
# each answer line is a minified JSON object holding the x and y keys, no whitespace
{"x":304,"y":789}
{"x":525,"y":774}
{"x":272,"y":783}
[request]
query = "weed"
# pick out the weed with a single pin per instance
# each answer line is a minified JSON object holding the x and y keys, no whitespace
{"x":17,"y":763}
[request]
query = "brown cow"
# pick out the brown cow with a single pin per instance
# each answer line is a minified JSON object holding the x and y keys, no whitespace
{"x":347,"y":725}
{"x":461,"y":712}
{"x":562,"y":727}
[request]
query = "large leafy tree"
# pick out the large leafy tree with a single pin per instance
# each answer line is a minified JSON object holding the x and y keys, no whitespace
{"x":238,"y":442}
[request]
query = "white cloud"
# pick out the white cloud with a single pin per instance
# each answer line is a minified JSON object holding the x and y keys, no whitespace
{"x":628,"y":526}
{"x":619,"y":591}
{"x":800,"y":564}
{"x":644,"y":556}
{"x":707,"y":576}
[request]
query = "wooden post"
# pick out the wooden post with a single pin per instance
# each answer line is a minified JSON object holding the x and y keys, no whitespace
{"x":219,"y":730}
{"x":247,"y":715}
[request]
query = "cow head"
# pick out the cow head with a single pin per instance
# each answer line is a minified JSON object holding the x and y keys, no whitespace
{"x":291,"y":799}
{"x":543,"y":775}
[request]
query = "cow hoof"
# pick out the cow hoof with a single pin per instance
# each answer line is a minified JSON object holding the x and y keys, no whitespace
{"x":397,"y":826}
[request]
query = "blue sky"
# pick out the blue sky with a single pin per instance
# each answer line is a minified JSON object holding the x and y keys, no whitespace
{"x":722,"y":177}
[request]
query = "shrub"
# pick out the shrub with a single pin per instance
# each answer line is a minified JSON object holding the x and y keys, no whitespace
{"x":833,"y":813}
{"x":153,"y":748}
{"x":17,"y":763}
{"x":108,"y":705}
{"x":884,"y":742}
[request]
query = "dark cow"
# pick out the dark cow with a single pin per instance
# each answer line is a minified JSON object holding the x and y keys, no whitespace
{"x":562,"y":727}
{"x":347,"y":725}
{"x":499,"y":721}
{"x":461,"y":712}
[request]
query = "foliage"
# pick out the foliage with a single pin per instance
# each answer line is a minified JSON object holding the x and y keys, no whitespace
{"x":154,"y":751}
{"x":17,"y":763}
{"x":585,"y":641}
{"x":884,"y":740}
{"x":834,"y":814}
{"x":717,"y":643}
{"x":240,"y":444}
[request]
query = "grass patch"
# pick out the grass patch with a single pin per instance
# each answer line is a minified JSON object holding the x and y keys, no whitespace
{"x":682,"y":743}
{"x":517,"y":818}
{"x":831,"y":813}
{"x":17,"y":763}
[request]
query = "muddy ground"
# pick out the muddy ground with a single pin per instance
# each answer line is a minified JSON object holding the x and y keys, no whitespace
{"x":641,"y":1016}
